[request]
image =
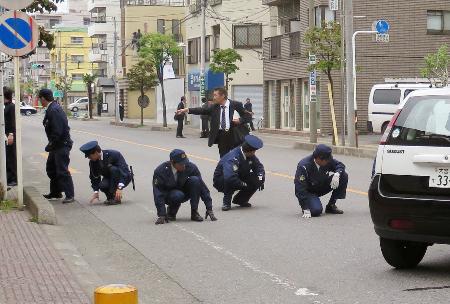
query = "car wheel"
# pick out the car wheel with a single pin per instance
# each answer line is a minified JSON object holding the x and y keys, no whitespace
{"x":28,"y":113}
{"x":402,"y":254}
{"x":75,"y":109}
{"x":384,"y":127}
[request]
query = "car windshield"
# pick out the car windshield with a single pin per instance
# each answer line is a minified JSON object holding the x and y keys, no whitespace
{"x":424,"y":121}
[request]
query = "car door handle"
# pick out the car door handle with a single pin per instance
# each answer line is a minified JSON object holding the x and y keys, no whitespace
{"x":432,"y":159}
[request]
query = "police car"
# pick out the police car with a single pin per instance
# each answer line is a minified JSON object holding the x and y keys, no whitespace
{"x":409,"y":195}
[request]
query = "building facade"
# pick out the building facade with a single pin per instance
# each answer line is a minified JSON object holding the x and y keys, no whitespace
{"x":229,"y":24}
{"x":417,"y":29}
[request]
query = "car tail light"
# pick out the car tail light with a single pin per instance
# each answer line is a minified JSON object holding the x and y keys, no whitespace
{"x":388,"y":130}
{"x":401,"y":224}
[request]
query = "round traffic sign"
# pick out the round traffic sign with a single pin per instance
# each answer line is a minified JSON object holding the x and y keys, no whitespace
{"x":19,"y":33}
{"x":143,"y":101}
{"x":16,"y":4}
{"x":382,"y":26}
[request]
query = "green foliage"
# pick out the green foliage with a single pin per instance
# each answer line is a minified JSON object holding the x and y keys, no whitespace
{"x":225,"y":61}
{"x":142,"y":76}
{"x":8,"y":205}
{"x":64,"y":84}
{"x":325,"y":43}
{"x":437,"y":66}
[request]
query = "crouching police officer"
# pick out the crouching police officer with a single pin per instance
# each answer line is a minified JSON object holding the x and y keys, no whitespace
{"x":110,"y":165}
{"x":240,"y":170}
{"x":316,"y":176}
{"x":175,"y":182}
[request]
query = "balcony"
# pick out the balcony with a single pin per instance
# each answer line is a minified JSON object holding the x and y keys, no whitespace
{"x":155,"y":2}
{"x":272,"y":2}
{"x":97,"y":55}
{"x":283,"y":46}
{"x":93,"y":4}
{"x":98,"y":30}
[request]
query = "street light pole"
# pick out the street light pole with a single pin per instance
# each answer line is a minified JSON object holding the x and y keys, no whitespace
{"x":3,"y":179}
{"x":348,"y":22}
{"x":312,"y":105}
{"x":202,"y":49}
{"x":342,"y":19}
{"x":116,"y":103}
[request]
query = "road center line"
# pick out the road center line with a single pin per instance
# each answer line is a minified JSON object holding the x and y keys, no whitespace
{"x":282,"y":175}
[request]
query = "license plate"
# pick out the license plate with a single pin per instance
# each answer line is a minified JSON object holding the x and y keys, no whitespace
{"x":440,"y":178}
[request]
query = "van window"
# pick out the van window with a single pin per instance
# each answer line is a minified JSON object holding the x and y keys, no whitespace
{"x":407,"y":92}
{"x":424,"y":121}
{"x":387,"y":96}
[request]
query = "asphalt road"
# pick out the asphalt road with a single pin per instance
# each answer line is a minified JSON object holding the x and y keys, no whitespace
{"x":266,"y":254}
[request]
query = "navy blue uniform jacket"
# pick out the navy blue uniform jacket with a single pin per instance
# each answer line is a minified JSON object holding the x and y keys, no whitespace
{"x":110,"y":158}
{"x":234,"y":169}
{"x":56,"y":127}
{"x":164,"y":182}
{"x":310,"y":180}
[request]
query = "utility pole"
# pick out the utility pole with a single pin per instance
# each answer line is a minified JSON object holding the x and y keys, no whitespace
{"x":344,"y":113}
{"x":65,"y":84}
{"x":115,"y":72}
{"x":351,"y":127}
{"x":202,"y":51}
{"x":312,"y":104}
{"x":3,"y":180}
{"x":18,"y":137}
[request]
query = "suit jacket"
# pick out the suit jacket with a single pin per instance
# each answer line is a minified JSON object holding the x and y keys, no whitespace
{"x":56,"y":127}
{"x":10,"y":118}
{"x":110,"y":158}
{"x":180,"y":107}
{"x":214,"y":112}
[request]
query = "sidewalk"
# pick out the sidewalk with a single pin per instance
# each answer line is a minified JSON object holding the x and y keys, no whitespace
{"x":31,"y":270}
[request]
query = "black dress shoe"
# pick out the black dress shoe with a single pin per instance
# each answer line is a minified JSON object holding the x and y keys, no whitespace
{"x":211,"y":215}
{"x":112,"y":202}
{"x":195,"y":216}
{"x":226,"y":208}
{"x":332,"y":209}
{"x":244,"y":205}
{"x":52,"y":196}
{"x":68,"y":200}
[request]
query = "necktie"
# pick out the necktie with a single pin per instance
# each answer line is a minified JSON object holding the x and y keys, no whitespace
{"x":223,"y":122}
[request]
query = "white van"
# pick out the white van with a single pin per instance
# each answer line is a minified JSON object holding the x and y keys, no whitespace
{"x":384,"y":101}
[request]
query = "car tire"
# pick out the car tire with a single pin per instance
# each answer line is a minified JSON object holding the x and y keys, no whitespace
{"x":28,"y":113}
{"x":402,"y":254}
{"x":75,"y":109}
{"x":384,"y":127}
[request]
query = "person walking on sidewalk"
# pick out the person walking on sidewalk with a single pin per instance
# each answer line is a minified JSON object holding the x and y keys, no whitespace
{"x":180,"y":117}
{"x":58,"y":148}
{"x":10,"y":134}
{"x":248,"y":106}
{"x":110,"y":165}
{"x":175,"y":182}
{"x":121,"y":111}
{"x":316,"y":176}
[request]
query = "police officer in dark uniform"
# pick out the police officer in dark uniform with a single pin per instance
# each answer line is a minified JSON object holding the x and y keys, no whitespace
{"x":59,"y":146}
{"x":10,"y":134}
{"x":175,"y":182}
{"x":110,"y":165}
{"x":316,"y":176}
{"x":240,"y":170}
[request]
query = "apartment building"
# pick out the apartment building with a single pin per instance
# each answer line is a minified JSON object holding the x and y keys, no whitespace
{"x":417,"y":28}
{"x":241,"y":25}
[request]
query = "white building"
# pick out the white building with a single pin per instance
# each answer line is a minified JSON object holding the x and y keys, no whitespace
{"x":229,"y":24}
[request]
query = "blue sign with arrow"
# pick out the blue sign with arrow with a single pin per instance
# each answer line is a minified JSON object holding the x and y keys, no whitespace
{"x":382,"y":26}
{"x":19,"y":33}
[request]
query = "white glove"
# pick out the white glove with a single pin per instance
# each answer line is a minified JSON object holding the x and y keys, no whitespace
{"x":306,"y":214}
{"x":335,"y":181}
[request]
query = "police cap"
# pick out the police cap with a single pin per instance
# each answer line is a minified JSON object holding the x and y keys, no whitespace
{"x":179,"y":157}
{"x":47,"y":94}
{"x":89,"y":148}
{"x":252,"y":143}
{"x":323,"y":152}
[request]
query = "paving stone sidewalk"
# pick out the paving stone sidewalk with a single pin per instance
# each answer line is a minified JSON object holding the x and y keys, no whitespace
{"x":31,"y":270}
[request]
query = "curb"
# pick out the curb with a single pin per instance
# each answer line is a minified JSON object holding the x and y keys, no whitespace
{"x":125,"y":124}
{"x":136,"y":125}
{"x":348,"y":151}
{"x":40,"y":208}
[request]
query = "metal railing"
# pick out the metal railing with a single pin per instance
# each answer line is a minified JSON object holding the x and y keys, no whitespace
{"x":156,"y":2}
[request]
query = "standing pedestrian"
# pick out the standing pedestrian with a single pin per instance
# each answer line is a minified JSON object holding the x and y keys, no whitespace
{"x":240,"y":170}
{"x":58,"y":148}
{"x":180,"y":117}
{"x":10,"y":133}
{"x":205,"y":120}
{"x":121,"y":111}
{"x":248,"y":106}
{"x":316,"y":176}
{"x":222,"y":122}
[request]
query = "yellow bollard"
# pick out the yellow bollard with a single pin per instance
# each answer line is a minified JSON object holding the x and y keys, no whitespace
{"x":116,"y":294}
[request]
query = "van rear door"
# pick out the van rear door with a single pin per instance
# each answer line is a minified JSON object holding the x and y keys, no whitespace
{"x":383,"y":106}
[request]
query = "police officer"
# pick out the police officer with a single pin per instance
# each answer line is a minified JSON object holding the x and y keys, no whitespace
{"x":58,"y":147}
{"x":240,"y":170}
{"x":175,"y":182}
{"x":316,"y":176}
{"x":110,"y":165}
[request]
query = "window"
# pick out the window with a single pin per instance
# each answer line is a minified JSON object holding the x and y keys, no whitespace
{"x":216,"y":37}
{"x":323,"y":14}
{"x":247,"y":36}
{"x":387,"y":96}
{"x":76,"y":40}
{"x":161,"y":26}
{"x":193,"y":50}
{"x":77,"y":77}
{"x":275,"y":47}
{"x":207,"y":48}
{"x":86,"y":21}
{"x":77,"y":58}
{"x":176,"y":30}
{"x":295,"y":41}
{"x":438,"y":22}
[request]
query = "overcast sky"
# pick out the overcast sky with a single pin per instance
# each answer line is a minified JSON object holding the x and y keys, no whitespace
{"x":62,"y":7}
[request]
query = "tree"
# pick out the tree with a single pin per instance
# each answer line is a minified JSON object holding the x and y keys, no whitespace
{"x":325,"y":43}
{"x":64,"y":85}
{"x":224,"y":61}
{"x":159,"y":49}
{"x":142,"y":77}
{"x":436,"y":68}
{"x":89,"y":81}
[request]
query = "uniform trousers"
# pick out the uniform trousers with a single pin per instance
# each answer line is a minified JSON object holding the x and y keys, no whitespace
{"x":58,"y":171}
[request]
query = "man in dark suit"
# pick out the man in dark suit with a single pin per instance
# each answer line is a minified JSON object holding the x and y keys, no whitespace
{"x":180,"y":117}
{"x":248,"y":106}
{"x":222,"y":122}
{"x":110,"y":165}
{"x":58,"y":148}
{"x":10,"y":133}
